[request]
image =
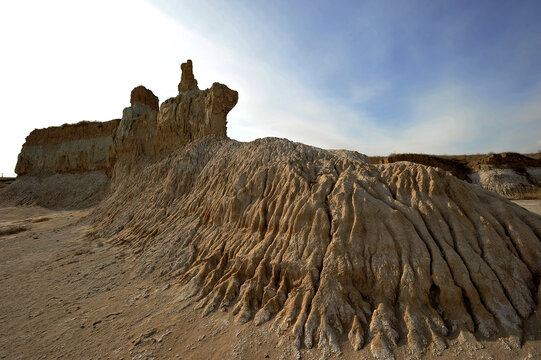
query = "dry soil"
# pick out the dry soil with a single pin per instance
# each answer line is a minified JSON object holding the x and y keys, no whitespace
{"x":65,"y":297}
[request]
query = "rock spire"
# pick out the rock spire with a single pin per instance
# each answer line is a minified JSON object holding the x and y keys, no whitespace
{"x":187,"y":80}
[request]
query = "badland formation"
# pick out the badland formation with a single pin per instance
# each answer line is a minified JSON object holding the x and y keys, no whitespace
{"x":322,"y":246}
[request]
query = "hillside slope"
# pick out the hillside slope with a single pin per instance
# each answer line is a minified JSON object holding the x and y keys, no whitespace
{"x":323,"y":244}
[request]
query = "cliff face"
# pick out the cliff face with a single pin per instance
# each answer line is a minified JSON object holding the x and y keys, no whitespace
{"x":82,"y":156}
{"x":509,"y":174}
{"x":145,"y":129}
{"x":64,"y":167}
{"x":509,"y":182}
{"x":81,"y":147}
{"x":143,"y":96}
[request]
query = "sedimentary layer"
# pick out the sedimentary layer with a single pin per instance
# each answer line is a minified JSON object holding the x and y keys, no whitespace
{"x":64,"y":167}
{"x":89,"y":148}
{"x":81,"y":147}
{"x":191,"y":115}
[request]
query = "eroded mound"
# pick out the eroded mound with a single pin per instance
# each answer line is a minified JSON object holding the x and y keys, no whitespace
{"x":325,"y":246}
{"x":511,"y":175}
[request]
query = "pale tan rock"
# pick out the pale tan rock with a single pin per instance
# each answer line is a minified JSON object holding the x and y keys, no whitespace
{"x":67,"y":166}
{"x":511,"y":175}
{"x":508,"y":182}
{"x":94,"y":147}
{"x":194,"y":115}
{"x":136,"y":134}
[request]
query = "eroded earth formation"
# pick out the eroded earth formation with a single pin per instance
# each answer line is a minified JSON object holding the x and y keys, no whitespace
{"x":321,"y":245}
{"x":511,"y":175}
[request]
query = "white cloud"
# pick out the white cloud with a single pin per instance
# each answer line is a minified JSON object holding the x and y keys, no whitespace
{"x":450,"y":119}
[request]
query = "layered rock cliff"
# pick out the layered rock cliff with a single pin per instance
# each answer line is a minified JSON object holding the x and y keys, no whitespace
{"x":67,"y":166}
{"x":509,"y":174}
{"x":52,"y":156}
{"x":81,"y":147}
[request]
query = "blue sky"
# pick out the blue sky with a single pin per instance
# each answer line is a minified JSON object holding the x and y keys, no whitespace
{"x":398,"y":67}
{"x":374,"y":76}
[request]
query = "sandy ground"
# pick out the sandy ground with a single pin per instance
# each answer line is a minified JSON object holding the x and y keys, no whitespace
{"x":66,"y":297}
{"x":532,"y":205}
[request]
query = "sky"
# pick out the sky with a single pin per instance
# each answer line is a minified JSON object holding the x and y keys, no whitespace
{"x":378,"y":77}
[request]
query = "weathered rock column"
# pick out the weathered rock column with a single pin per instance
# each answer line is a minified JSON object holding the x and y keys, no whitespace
{"x":187,"y":80}
{"x":194,"y":113}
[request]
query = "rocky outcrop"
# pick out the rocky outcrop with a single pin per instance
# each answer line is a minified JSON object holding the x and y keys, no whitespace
{"x":141,"y":96}
{"x":191,"y":115}
{"x":145,"y":129}
{"x":512,"y":175}
{"x":194,"y":115}
{"x":95,"y":147}
{"x":136,"y":134}
{"x":81,"y":147}
{"x":321,"y":245}
{"x":457,"y":168}
{"x":509,"y":182}
{"x":68,"y":166}
{"x":508,"y":160}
